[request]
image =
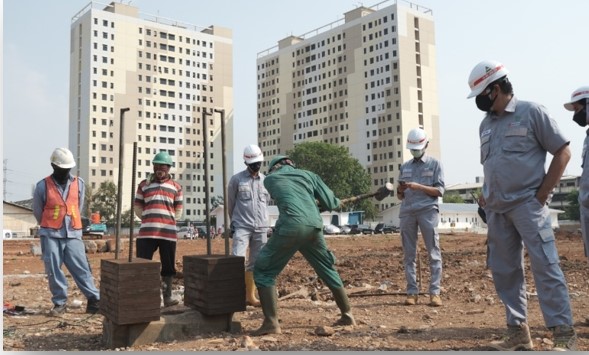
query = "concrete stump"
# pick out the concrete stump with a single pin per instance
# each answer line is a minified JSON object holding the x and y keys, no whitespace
{"x":185,"y":325}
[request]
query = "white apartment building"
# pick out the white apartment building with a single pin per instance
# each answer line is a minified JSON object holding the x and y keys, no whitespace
{"x":167,"y":73}
{"x":362,"y":82}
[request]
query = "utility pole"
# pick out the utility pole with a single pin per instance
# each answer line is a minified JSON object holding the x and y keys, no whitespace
{"x":4,"y":179}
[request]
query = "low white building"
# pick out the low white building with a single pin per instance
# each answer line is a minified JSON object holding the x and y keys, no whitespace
{"x":456,"y":217}
{"x":329,"y":217}
{"x":18,"y":218}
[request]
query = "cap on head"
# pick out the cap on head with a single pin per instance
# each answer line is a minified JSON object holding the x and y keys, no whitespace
{"x":252,"y":154}
{"x":63,"y":158}
{"x":277,"y":159}
{"x":163,"y":158}
{"x":416,"y":139}
{"x":484,"y":74}
{"x":577,"y":95}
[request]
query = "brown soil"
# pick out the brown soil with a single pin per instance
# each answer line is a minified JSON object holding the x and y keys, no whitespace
{"x":371,"y":267}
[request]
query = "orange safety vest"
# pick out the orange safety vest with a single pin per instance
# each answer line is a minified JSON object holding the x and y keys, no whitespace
{"x":56,"y":208}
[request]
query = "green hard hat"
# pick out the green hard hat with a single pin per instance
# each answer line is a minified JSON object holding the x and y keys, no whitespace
{"x":163,"y":158}
{"x":276,"y":160}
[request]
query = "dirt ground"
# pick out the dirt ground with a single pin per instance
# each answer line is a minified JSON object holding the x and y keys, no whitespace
{"x":372,"y":271}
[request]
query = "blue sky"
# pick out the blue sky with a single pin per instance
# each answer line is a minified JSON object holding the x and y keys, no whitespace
{"x":542,"y":43}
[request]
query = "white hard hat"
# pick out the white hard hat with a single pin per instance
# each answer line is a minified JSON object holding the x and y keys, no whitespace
{"x":484,"y":74}
{"x":579,"y":94}
{"x":63,"y":158}
{"x":252,"y":154}
{"x":416,"y":139}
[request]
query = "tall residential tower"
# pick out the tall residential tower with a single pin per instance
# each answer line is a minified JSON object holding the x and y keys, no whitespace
{"x":362,"y":82}
{"x":167,"y":73}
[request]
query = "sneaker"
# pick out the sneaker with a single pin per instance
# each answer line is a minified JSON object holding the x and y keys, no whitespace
{"x":93,"y":306}
{"x":57,"y":310}
{"x":517,"y":338}
{"x":411,"y":300}
{"x":565,"y":338}
{"x":435,"y":300}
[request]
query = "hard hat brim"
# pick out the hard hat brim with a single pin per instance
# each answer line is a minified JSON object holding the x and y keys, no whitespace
{"x":254,"y":160}
{"x":65,"y":166}
{"x":416,"y":146}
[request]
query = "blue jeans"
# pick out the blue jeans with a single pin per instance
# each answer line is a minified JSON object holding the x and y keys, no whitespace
{"x":71,"y":252}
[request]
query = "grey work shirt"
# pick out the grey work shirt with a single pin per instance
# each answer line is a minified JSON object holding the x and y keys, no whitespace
{"x":584,"y":181}
{"x":425,"y":171}
{"x":513,"y":153}
{"x":248,"y":201}
{"x":39,"y":200}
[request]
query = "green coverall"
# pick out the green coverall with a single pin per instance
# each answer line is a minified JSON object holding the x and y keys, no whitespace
{"x":299,"y":226}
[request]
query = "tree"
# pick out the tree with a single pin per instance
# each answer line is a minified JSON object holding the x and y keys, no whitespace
{"x":453,"y":198}
{"x":572,"y":212}
{"x":125,"y":218}
{"x":216,"y":201}
{"x":88,"y":201}
{"x":339,"y":170}
{"x":105,"y":201}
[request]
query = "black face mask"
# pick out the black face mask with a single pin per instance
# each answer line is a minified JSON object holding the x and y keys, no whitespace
{"x":255,"y":167}
{"x":61,"y":175}
{"x":581,"y":117}
{"x":484,"y":102}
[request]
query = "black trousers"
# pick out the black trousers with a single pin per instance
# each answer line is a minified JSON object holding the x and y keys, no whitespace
{"x":146,"y":247}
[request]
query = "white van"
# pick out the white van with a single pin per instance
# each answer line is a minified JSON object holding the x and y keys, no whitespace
{"x":6,"y":234}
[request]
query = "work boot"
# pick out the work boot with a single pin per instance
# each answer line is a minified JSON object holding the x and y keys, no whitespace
{"x":269,"y":302}
{"x":341,"y":299}
{"x":167,"y":292}
{"x":517,"y":337}
{"x":250,"y":290}
{"x":411,"y":300}
{"x":435,"y":300}
{"x":564,"y":338}
{"x":58,"y":310}
{"x":93,"y":306}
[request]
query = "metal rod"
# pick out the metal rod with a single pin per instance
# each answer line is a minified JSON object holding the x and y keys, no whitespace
{"x":225,"y":202}
{"x":120,"y":184}
{"x":206,"y":164}
{"x":131,"y":213}
{"x":384,"y":294}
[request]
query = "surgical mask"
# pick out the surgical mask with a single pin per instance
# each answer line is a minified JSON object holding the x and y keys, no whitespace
{"x":484,"y":102}
{"x":255,"y":167}
{"x":61,"y":175}
{"x":581,"y":117}
{"x":417,"y":153}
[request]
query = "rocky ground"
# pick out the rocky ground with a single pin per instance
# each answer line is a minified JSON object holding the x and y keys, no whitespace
{"x":371,"y":267}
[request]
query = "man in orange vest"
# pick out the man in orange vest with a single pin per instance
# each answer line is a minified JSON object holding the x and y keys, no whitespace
{"x":57,"y":202}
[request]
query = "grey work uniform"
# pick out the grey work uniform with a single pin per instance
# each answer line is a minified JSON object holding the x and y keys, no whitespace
{"x":513,"y":153}
{"x":419,"y":209}
{"x":248,"y":209}
{"x":584,"y":194}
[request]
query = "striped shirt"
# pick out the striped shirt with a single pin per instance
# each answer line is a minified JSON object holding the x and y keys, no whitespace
{"x":160,"y":202}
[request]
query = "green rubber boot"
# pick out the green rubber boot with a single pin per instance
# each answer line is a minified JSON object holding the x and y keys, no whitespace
{"x":269,"y":301}
{"x":341,"y":299}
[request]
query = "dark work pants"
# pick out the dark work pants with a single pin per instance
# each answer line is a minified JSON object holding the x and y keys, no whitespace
{"x":146,"y":247}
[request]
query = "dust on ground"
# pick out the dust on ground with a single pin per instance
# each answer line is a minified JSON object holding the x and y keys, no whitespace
{"x":372,"y":271}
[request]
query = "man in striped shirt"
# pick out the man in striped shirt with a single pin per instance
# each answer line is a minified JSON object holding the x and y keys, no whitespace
{"x":159,"y":203}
